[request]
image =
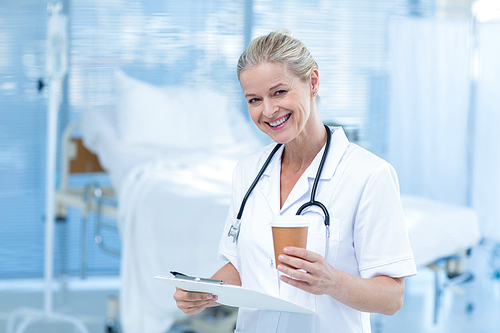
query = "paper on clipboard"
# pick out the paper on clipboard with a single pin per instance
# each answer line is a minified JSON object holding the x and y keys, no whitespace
{"x":237,"y":296}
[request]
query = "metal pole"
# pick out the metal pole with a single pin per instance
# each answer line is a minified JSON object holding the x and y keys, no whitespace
{"x":248,"y":22}
{"x":50,"y":172}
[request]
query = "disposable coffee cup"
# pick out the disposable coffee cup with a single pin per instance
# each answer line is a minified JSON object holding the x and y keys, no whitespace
{"x":290,"y":230}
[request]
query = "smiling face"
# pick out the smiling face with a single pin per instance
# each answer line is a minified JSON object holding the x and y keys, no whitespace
{"x":279,"y":102}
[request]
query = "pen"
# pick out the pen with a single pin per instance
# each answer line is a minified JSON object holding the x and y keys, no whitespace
{"x":179,"y":275}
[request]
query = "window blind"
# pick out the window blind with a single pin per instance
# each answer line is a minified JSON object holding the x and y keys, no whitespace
{"x":22,"y":137}
{"x":348,"y":41}
{"x":165,"y":42}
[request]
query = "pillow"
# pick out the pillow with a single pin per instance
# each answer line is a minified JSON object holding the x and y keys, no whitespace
{"x":170,"y":116}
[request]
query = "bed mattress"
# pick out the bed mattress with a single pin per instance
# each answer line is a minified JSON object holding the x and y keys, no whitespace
{"x":438,"y":230}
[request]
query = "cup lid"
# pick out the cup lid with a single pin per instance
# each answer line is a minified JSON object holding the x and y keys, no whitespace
{"x":290,"y":221}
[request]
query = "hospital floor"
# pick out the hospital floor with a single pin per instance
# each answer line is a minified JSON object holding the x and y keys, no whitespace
{"x":473,"y":306}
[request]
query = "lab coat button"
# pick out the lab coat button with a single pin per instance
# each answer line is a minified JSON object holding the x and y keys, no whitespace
{"x":272,"y":262}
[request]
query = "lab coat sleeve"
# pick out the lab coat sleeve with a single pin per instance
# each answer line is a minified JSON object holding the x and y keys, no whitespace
{"x":381,"y":240}
{"x":227,"y":248}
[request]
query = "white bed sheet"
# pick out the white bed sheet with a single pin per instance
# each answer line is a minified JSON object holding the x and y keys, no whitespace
{"x":438,"y":230}
{"x":166,"y":225}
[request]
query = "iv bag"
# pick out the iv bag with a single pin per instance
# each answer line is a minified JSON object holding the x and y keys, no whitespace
{"x":57,"y":43}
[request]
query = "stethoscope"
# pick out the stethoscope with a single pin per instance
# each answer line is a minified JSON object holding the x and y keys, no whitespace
{"x":234,"y":230}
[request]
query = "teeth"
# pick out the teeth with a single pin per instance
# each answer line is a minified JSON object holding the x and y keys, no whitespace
{"x":279,"y":122}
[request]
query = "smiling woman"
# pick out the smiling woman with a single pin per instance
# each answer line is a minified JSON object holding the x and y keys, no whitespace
{"x":344,"y":272}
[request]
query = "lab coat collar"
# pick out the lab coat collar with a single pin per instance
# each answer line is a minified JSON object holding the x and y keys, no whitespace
{"x":271,"y":185}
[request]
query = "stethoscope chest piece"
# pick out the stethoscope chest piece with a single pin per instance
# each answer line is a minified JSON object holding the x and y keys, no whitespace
{"x":234,"y":230}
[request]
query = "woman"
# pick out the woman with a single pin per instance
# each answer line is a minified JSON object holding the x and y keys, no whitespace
{"x":368,"y":252}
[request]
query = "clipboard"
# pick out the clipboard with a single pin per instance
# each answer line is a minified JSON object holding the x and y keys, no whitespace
{"x":236,"y":296}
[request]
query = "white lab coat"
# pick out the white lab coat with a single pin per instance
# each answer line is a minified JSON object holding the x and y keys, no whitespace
{"x":367,"y":226}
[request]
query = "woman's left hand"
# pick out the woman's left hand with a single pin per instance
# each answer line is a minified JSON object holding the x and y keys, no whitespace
{"x":318,"y":276}
{"x":312,"y":273}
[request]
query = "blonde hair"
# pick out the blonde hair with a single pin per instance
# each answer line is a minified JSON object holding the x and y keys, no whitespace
{"x":278,"y":47}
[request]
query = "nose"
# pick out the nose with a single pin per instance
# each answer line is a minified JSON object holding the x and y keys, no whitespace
{"x":269,"y":108}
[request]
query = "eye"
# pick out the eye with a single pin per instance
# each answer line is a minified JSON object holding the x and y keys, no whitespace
{"x":280,"y":92}
{"x":253,"y":100}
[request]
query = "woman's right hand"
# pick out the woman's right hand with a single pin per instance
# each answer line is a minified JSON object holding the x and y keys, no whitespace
{"x":193,"y":302}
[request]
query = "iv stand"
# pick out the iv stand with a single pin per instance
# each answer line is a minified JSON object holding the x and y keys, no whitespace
{"x":57,"y":52}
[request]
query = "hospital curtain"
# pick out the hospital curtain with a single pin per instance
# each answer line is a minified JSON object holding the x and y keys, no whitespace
{"x":486,"y":153}
{"x":429,"y":106}
{"x":433,"y":118}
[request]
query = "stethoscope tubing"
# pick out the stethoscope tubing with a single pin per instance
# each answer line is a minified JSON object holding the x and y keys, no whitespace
{"x":256,"y":180}
{"x":313,"y":202}
{"x":234,"y":230}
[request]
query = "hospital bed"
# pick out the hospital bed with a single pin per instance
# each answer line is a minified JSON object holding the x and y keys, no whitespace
{"x":171,"y":171}
{"x":169,"y":153}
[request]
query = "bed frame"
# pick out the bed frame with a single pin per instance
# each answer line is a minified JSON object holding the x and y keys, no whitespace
{"x":90,"y":198}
